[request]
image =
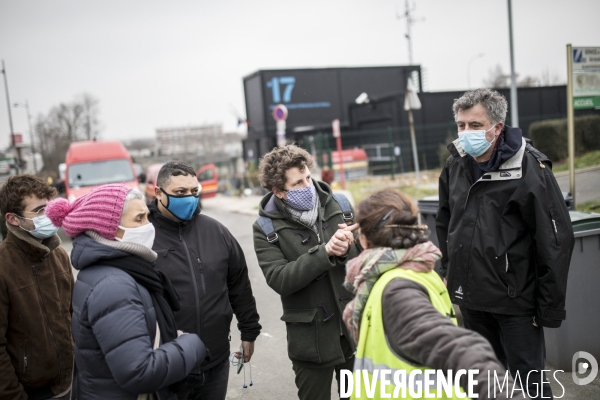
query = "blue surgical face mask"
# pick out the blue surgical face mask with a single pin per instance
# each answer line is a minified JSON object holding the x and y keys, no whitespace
{"x":474,"y":142}
{"x":43,"y":227}
{"x":182,"y":207}
{"x":302,"y":199}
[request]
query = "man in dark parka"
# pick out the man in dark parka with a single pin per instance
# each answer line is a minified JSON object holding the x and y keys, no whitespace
{"x":505,"y":234}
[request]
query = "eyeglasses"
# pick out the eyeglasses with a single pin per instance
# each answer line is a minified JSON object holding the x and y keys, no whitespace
{"x":37,"y":213}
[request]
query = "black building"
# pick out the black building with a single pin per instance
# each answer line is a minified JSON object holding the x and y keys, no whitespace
{"x":315,"y":97}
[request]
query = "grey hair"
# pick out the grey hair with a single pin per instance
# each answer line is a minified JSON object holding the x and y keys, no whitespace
{"x":132,"y":194}
{"x":494,"y":103}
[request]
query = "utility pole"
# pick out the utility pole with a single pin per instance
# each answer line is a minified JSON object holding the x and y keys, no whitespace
{"x":12,"y":133}
{"x":409,"y":21}
{"x":571,"y":123}
{"x":514,"y":106}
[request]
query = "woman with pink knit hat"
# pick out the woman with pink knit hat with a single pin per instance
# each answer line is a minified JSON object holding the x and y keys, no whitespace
{"x":126,"y":342}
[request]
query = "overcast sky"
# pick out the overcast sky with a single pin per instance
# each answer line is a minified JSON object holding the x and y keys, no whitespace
{"x":171,"y":63}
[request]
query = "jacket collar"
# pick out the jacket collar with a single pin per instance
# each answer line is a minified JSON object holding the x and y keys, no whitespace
{"x":36,"y":250}
{"x":510,"y":169}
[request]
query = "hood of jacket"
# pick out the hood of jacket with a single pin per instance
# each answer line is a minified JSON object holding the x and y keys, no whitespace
{"x":272,"y":207}
{"x":508,"y":144}
{"x":86,"y":251}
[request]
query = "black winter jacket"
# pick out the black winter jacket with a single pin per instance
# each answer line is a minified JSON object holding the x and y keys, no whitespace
{"x":507,"y":238}
{"x":114,"y":326}
{"x":206,"y":265}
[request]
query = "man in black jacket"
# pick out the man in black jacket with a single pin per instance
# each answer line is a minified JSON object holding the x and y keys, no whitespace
{"x":505,"y":234}
{"x":207,"y":268}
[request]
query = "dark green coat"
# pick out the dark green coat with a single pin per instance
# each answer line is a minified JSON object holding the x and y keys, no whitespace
{"x":308,"y":281}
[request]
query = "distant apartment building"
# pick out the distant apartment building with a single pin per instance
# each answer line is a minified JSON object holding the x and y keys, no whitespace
{"x":187,"y":140}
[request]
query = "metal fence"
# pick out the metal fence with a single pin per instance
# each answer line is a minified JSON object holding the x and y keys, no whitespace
{"x":389,"y":149}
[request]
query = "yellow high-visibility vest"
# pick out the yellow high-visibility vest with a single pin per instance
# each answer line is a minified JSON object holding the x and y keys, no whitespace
{"x":373,"y":353}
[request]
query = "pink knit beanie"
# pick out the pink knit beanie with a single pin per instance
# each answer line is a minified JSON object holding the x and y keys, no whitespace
{"x":99,"y":211}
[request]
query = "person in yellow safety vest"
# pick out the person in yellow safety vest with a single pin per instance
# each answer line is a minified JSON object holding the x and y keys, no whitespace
{"x":402,"y":317}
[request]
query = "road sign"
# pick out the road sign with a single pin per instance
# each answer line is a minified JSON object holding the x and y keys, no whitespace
{"x":336,"y":128}
{"x":586,"y":77}
{"x":280,"y":112}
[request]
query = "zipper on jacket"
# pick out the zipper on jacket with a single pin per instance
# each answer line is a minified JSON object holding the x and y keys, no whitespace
{"x":48,"y":324}
{"x":24,"y":357}
{"x":193,"y":273}
{"x":469,"y":193}
{"x":554,"y":228}
{"x":199,"y":261}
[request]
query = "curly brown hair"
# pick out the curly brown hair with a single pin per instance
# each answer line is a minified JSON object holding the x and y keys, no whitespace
{"x":17,"y":187}
{"x":274,"y":164}
{"x":388,"y":207}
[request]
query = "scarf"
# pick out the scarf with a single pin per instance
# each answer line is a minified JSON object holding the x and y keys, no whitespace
{"x":308,"y":218}
{"x":164,"y":297}
{"x":364,"y":271}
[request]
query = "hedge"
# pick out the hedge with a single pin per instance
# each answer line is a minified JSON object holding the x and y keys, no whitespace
{"x":550,"y":136}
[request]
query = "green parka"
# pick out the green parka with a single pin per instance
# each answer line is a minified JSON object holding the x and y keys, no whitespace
{"x":307,"y":279}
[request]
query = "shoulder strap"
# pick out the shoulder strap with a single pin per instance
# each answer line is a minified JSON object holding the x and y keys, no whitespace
{"x":266,"y":224}
{"x":538,"y":155}
{"x":342,"y":200}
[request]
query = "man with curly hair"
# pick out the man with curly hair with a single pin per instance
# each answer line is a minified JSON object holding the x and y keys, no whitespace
{"x":303,"y":260}
{"x":36,"y":284}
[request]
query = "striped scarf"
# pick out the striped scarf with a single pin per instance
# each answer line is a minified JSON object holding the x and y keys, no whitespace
{"x":363,"y":272}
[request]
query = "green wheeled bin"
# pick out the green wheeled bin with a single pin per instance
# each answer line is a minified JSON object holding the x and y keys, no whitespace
{"x":581,"y":330}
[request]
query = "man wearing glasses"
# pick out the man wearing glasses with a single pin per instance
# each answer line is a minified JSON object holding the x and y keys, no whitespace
{"x":36,"y":284}
{"x":207,"y":268}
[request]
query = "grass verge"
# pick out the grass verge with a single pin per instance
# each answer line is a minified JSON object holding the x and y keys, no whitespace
{"x":361,"y":189}
{"x":592,"y":206}
{"x":587,"y":160}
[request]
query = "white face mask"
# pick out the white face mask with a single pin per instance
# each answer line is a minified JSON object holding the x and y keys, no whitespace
{"x":143,"y":235}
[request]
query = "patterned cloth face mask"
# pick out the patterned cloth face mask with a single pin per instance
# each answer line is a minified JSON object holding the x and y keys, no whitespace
{"x":302,"y":199}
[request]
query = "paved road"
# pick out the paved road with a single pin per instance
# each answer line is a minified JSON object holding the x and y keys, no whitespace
{"x":271,"y":368}
{"x":587,"y":184}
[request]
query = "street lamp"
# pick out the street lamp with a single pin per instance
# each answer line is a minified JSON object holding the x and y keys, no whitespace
{"x":469,"y":68}
{"x":26,"y":105}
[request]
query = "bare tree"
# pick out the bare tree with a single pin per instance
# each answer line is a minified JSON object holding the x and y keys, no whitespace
{"x":528,"y":81}
{"x":64,"y":124}
{"x":497,"y":78}
{"x":548,"y":78}
{"x":91,"y":109}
